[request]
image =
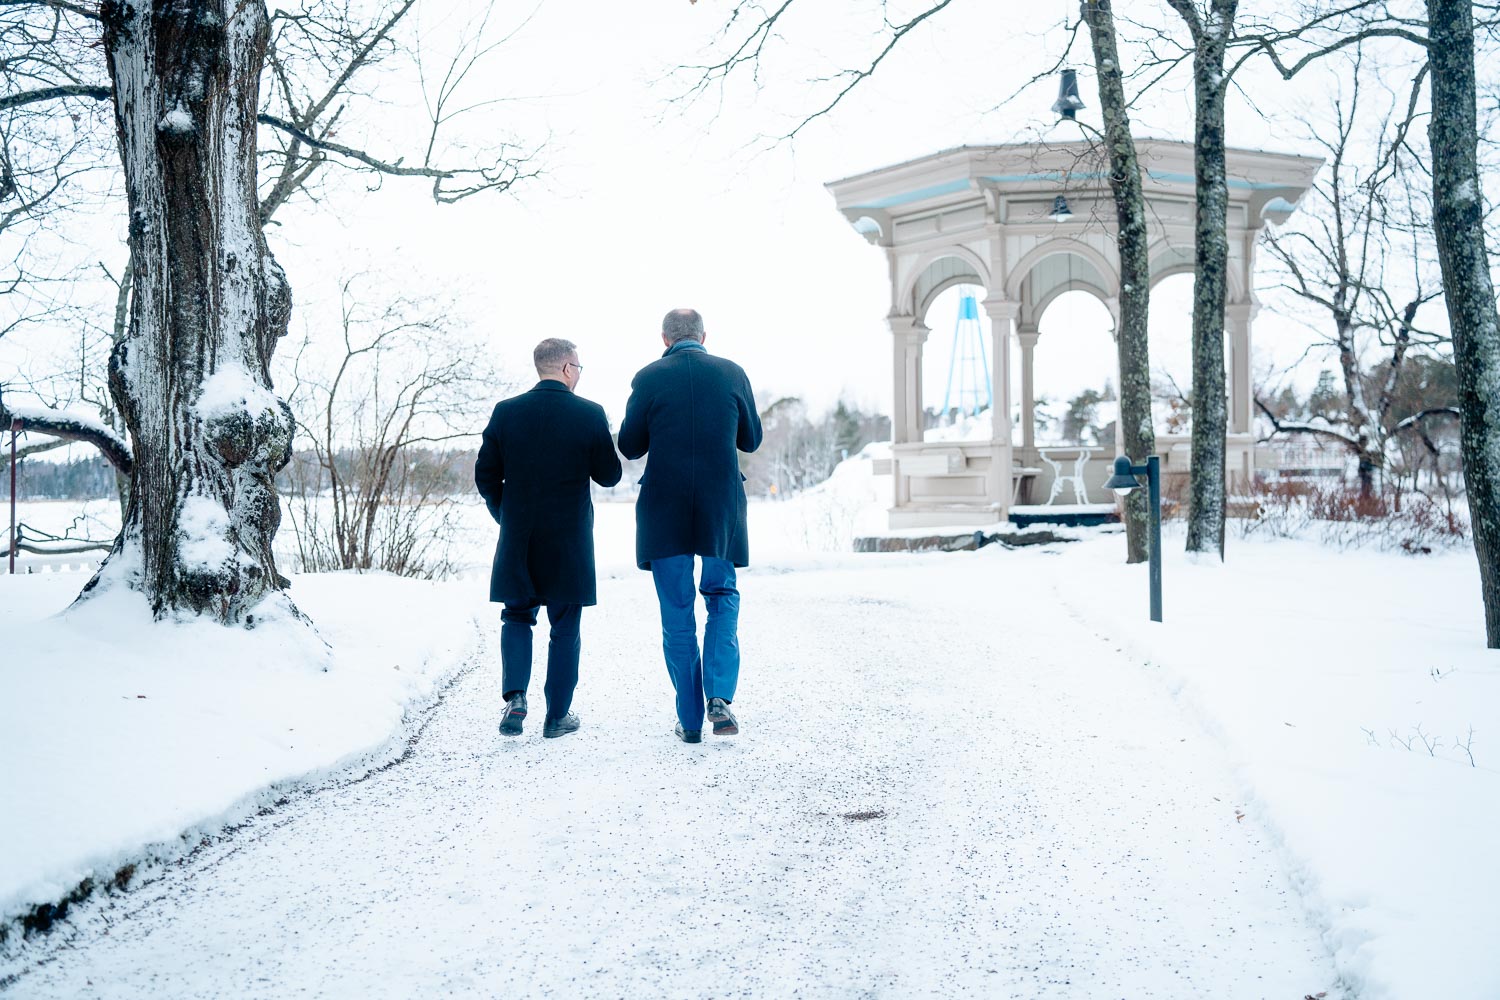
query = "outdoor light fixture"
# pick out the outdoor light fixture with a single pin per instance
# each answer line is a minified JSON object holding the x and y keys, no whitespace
{"x":1060,"y":210}
{"x":1068,"y":102}
{"x":1122,"y":482}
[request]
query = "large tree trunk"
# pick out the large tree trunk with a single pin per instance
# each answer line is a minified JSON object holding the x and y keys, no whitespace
{"x":1458,"y":222}
{"x":1139,"y":438}
{"x":1206,"y":485}
{"x":191,"y":376}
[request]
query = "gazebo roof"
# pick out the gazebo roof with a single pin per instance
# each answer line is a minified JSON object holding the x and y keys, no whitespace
{"x":969,"y":173}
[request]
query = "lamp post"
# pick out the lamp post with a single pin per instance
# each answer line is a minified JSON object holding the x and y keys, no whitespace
{"x":1122,"y":482}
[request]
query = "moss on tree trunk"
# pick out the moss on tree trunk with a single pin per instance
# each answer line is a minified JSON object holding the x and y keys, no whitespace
{"x":1206,"y":479}
{"x":1139,"y":438}
{"x":1458,"y":223}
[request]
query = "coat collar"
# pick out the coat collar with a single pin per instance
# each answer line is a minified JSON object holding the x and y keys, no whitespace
{"x":683,"y":347}
{"x":550,"y":385}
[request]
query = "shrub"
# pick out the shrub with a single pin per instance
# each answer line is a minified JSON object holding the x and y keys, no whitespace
{"x":1338,"y":515}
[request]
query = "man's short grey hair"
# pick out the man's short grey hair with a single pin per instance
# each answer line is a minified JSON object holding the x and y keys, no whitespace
{"x":682,"y":324}
{"x":551,"y":354}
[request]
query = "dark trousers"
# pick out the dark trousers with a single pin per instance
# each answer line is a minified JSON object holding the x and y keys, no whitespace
{"x":562,"y":652}
{"x":715,"y":673}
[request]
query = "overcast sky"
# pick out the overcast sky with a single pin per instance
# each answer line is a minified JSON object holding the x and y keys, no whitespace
{"x":647,"y":206}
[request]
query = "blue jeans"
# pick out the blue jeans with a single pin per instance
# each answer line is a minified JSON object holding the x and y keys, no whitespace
{"x":717,"y":671}
{"x":562,"y":653}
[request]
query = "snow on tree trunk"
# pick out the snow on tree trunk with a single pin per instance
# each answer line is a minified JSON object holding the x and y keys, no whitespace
{"x":1458,"y":223}
{"x":1135,"y":267}
{"x":1206,"y":487}
{"x":191,"y":375}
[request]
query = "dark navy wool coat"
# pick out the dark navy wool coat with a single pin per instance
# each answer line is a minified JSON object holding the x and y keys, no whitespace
{"x":688,"y":413}
{"x":540,"y":450}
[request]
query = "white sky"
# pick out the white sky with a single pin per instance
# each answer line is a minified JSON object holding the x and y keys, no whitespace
{"x":645,"y":208}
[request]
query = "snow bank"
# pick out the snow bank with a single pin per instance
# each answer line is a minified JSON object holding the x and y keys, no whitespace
{"x":797,"y":532}
{"x":977,"y":427}
{"x":127,"y":737}
{"x":1350,"y":688}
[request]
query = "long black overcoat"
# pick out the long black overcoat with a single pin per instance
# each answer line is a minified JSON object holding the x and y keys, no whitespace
{"x":540,"y":450}
{"x":689,"y":412}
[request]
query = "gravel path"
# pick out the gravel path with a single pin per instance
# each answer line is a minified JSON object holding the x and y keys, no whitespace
{"x":943,"y":787}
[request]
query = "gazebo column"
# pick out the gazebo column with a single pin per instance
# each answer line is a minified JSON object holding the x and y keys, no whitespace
{"x":1113,"y":305}
{"x":1003,"y":314}
{"x":1241,"y":457}
{"x":1027,"y":335}
{"x":908,"y":334}
{"x":1237,"y":317}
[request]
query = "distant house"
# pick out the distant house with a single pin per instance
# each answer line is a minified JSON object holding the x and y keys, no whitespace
{"x":1302,"y":459}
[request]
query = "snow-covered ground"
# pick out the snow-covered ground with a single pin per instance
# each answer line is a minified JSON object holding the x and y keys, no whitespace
{"x":1354,"y":694}
{"x":916,"y":807}
{"x":125,"y":739}
{"x":1240,"y":802}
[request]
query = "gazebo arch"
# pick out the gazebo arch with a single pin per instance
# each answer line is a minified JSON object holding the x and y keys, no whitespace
{"x":1168,"y":259}
{"x":1063,"y":246}
{"x":985,"y":215}
{"x":938,"y":270}
{"x":1046,"y":272}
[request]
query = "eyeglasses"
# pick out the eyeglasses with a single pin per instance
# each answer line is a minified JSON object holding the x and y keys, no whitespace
{"x":574,"y":364}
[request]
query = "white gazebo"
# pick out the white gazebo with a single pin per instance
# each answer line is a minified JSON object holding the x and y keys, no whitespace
{"x":984,"y":215}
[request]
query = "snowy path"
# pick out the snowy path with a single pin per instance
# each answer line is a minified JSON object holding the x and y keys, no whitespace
{"x":1045,"y":824}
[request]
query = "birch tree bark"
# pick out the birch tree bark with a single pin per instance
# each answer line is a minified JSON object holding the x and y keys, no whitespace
{"x":209,"y":303}
{"x":1211,"y":30}
{"x":1458,"y":223}
{"x":1135,"y":266}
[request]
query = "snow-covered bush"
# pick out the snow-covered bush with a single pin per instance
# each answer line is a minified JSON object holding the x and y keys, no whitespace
{"x":1340,"y":516}
{"x":385,"y":426}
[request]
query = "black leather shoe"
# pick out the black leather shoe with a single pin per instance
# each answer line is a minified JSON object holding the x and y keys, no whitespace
{"x":689,"y":735}
{"x":725,"y":724}
{"x":553,"y":728}
{"x":514,"y":715}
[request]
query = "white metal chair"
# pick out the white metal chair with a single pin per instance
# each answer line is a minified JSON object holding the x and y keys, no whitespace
{"x":1080,"y":490}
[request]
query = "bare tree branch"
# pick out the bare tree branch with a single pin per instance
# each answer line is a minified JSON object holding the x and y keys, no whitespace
{"x":751,"y":49}
{"x":856,"y":77}
{"x":55,"y":93}
{"x":1421,"y":415}
{"x":112,"y":446}
{"x":41,"y":447}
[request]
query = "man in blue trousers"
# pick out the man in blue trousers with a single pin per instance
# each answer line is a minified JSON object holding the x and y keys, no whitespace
{"x":540,"y":450}
{"x":689,"y":412}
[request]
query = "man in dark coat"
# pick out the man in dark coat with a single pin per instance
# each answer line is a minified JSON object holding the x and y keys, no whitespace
{"x":689,"y":412}
{"x":540,"y":450}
